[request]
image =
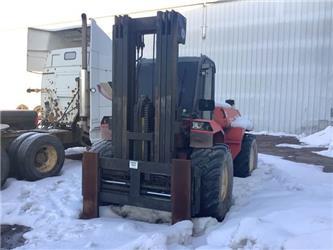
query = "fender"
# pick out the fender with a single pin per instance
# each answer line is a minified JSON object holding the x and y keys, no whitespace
{"x":233,"y":138}
{"x":206,"y":138}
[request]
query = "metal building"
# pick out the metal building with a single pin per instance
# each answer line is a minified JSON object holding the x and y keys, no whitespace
{"x":273,"y":57}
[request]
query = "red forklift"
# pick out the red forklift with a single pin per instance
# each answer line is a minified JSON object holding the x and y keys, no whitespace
{"x":172,"y":149}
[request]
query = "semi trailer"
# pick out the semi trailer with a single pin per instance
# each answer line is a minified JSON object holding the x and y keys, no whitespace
{"x":172,"y":148}
{"x":75,"y":66}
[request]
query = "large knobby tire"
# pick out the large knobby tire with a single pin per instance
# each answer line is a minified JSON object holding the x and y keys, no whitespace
{"x":12,"y":151}
{"x":40,"y":156}
{"x":246,"y":161}
{"x":103,"y":147}
{"x":216,"y":171}
{"x":5,"y":166}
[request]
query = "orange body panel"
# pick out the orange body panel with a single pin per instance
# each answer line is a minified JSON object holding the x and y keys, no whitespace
{"x":222,"y":132}
{"x":233,"y":138}
{"x":225,"y":116}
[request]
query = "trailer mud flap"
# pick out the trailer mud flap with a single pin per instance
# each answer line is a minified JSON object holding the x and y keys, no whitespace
{"x":90,"y":185}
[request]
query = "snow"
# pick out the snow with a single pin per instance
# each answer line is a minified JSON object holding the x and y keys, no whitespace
{"x":296,"y":146}
{"x":274,"y":133}
{"x":242,"y":122}
{"x":322,"y":138}
{"x":328,"y":152}
{"x":223,"y":105}
{"x":282,"y":205}
{"x":3,"y":126}
{"x":75,"y":150}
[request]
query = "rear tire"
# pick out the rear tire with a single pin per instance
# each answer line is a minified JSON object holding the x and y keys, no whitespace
{"x":5,"y":166}
{"x":246,"y":160}
{"x":12,"y":151}
{"x":40,"y":156}
{"x":216,"y":171}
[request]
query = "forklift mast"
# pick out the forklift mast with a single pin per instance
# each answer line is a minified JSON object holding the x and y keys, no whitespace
{"x":146,"y":127}
{"x":144,"y":169}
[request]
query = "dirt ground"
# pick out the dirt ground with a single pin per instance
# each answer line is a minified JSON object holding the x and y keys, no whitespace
{"x":12,"y":236}
{"x":267,"y":145}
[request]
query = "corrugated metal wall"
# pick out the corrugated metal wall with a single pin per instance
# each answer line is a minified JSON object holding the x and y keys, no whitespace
{"x":273,"y":57}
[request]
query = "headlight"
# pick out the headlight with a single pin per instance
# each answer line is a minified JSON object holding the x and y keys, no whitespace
{"x":201,"y":126}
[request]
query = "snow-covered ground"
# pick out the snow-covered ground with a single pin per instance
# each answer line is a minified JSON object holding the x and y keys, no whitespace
{"x":323,"y":138}
{"x":296,"y":146}
{"x":274,"y":133}
{"x":75,"y":150}
{"x":283,"y":205}
{"x":320,"y":139}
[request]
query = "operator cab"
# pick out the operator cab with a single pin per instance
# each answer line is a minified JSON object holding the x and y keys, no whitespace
{"x":196,"y":76}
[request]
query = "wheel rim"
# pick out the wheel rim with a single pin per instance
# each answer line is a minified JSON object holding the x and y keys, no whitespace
{"x":224,"y":184}
{"x":252,"y":161}
{"x":46,"y":159}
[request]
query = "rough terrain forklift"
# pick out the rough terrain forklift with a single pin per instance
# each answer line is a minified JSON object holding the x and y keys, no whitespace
{"x":172,"y":149}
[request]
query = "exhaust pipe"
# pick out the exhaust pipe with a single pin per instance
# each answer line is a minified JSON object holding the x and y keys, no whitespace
{"x":84,"y":79}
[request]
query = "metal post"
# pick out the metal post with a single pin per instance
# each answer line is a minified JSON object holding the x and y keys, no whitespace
{"x":84,"y":93}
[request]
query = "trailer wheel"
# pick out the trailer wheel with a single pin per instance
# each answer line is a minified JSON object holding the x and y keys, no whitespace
{"x":40,"y":156}
{"x":5,"y":165}
{"x":12,"y":151}
{"x":103,"y":147}
{"x":216,"y":171}
{"x":246,"y":160}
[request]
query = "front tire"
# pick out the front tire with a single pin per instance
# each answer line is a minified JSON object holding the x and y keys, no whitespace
{"x":216,"y":171}
{"x":246,"y":161}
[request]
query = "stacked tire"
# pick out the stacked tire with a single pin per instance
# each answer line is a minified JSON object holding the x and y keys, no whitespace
{"x":35,"y":156}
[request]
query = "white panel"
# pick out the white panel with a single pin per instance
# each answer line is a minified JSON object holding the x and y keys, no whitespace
{"x":41,"y":42}
{"x":100,"y":71}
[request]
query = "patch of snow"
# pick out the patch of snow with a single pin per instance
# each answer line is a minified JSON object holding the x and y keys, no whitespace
{"x":242,"y":122}
{"x":222,"y":105}
{"x":274,"y":133}
{"x":283,"y":205}
{"x":203,"y":225}
{"x":297,"y":146}
{"x":75,"y":150}
{"x":279,"y":203}
{"x":317,"y":240}
{"x":322,"y":138}
{"x":328,"y":152}
{"x":3,"y":126}
{"x":143,"y":214}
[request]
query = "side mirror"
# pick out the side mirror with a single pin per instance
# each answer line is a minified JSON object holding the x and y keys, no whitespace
{"x":206,"y":105}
